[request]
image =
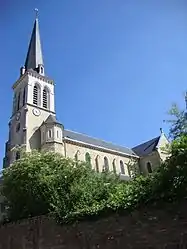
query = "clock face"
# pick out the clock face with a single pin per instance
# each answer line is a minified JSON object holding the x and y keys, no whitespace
{"x":36,"y":112}
{"x":18,"y":116}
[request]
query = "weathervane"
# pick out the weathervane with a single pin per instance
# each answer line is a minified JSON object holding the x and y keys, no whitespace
{"x":36,"y":11}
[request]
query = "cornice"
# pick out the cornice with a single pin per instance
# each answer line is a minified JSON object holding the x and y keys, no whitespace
{"x":33,"y":74}
{"x":52,"y":142}
{"x":40,"y":77}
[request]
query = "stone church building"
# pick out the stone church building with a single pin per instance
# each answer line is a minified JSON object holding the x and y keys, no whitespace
{"x":33,"y":125}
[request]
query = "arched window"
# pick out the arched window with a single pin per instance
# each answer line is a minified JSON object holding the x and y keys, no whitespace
{"x":77,"y":155}
{"x":88,"y":158}
{"x":24,"y":96}
{"x":114,"y":166}
{"x":46,"y":98}
{"x":50,"y":133}
{"x":122,"y":168}
{"x":106,"y":165}
{"x":36,"y":95}
{"x":18,"y":101}
{"x":97,"y":163}
{"x":149,"y":168}
{"x":17,"y":155}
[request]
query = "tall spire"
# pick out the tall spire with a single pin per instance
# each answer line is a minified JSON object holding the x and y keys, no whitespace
{"x":34,"y":59}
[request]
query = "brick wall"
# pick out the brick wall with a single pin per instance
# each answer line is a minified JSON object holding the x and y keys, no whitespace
{"x":163,"y":227}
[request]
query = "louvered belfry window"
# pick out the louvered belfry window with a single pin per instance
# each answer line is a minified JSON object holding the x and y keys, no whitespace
{"x":45,"y":104}
{"x":35,"y":95}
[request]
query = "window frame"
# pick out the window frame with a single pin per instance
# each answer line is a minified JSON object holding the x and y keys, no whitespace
{"x":149,"y":167}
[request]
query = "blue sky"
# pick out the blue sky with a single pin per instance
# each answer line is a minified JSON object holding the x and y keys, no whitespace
{"x":118,"y":64}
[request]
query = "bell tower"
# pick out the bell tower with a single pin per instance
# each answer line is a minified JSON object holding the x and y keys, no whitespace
{"x":33,"y":101}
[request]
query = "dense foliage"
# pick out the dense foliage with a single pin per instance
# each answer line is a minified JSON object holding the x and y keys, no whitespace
{"x":170,"y":180}
{"x":41,"y":183}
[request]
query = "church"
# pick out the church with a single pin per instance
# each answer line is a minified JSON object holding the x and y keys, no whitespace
{"x":33,"y":125}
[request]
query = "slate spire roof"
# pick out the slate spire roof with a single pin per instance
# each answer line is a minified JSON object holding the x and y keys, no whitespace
{"x":34,"y":55}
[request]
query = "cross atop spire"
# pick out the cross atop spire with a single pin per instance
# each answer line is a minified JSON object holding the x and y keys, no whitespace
{"x":34,"y":59}
{"x":36,"y":10}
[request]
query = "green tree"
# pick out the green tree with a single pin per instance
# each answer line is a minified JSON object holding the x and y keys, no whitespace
{"x":177,"y":122}
{"x":170,"y":180}
{"x":41,"y":183}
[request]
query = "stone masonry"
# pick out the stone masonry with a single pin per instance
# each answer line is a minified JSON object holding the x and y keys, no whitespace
{"x":156,"y":228}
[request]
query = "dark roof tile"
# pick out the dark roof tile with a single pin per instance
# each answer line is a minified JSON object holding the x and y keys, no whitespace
{"x":147,"y":147}
{"x":97,"y":142}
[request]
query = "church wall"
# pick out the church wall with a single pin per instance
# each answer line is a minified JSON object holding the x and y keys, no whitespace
{"x":59,"y":148}
{"x":19,"y":89}
{"x":55,"y":147}
{"x":73,"y":149}
{"x":16,"y":136}
{"x":163,"y":142}
{"x":33,"y":123}
{"x":153,"y":158}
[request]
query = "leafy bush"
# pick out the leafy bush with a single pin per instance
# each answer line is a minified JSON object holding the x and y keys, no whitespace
{"x":178,"y":122}
{"x":170,"y":180}
{"x":47,"y":183}
{"x":41,"y":183}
